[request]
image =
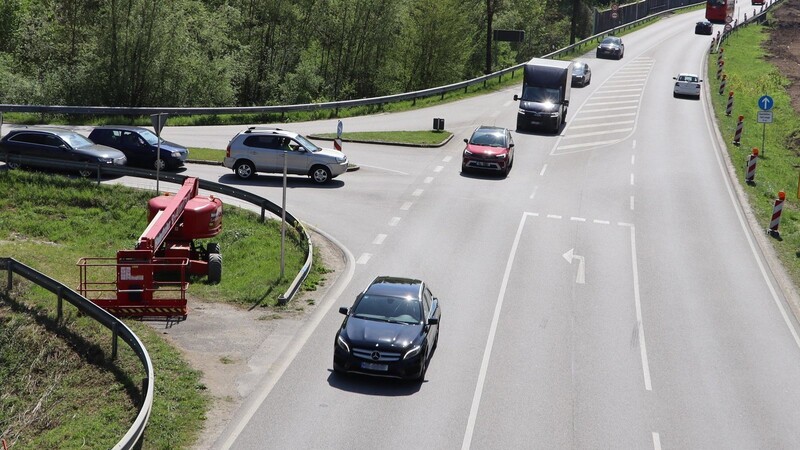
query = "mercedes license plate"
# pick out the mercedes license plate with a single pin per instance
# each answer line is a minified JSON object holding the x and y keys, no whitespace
{"x":373,"y":366}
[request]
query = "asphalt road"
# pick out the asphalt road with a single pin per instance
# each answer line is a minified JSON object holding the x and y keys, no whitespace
{"x":608,"y":294}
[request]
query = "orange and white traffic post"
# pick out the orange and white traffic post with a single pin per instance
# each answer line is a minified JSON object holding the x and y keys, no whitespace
{"x":750,"y":167}
{"x":776,"y":214}
{"x":737,"y":136}
{"x":729,"y":108}
{"x":337,"y":143}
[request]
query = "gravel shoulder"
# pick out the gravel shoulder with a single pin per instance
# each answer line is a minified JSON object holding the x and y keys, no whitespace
{"x":235,"y":347}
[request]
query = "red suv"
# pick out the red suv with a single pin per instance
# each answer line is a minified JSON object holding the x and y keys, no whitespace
{"x":489,"y":148}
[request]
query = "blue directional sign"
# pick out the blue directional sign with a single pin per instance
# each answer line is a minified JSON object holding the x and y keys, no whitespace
{"x":765,"y":102}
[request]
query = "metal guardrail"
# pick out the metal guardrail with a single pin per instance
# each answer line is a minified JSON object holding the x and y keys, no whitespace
{"x":760,"y":17}
{"x":442,"y":90}
{"x":118,"y":330}
{"x":117,"y":327}
{"x":261,"y":202}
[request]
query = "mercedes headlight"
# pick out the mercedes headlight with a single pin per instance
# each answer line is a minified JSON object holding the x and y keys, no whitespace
{"x":342,"y":343}
{"x":413,"y":352}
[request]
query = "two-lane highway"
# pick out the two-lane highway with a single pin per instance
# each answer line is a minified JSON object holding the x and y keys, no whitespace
{"x":608,"y":293}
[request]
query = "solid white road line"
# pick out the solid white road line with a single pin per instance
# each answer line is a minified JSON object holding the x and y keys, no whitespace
{"x":487,"y":353}
{"x":286,"y":357}
{"x":638,"y":302}
{"x":656,"y":441}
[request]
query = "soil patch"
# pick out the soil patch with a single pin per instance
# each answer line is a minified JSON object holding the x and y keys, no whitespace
{"x":235,"y":347}
{"x":783,"y":46}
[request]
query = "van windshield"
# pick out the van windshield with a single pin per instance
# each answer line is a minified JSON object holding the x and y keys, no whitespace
{"x":541,"y":94}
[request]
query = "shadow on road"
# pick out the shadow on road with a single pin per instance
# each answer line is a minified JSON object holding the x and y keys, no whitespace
{"x":292,"y":181}
{"x":367,"y":385}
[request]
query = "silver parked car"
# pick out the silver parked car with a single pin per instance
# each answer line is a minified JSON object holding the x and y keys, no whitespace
{"x":261,"y":149}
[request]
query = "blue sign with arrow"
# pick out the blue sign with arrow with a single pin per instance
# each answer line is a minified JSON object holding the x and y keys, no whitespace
{"x":765,"y":102}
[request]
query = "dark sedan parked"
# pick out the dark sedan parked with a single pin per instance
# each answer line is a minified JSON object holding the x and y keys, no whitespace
{"x":56,"y":143}
{"x":391,"y":330}
{"x":140,"y":145}
{"x":581,"y":74}
{"x":611,"y":47}
{"x":703,"y":27}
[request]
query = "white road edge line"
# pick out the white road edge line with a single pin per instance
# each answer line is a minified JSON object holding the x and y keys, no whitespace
{"x":487,"y":353}
{"x":638,"y":302}
{"x":744,"y":224}
{"x":287,"y":355}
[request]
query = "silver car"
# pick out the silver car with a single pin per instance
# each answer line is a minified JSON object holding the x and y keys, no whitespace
{"x":260,"y":149}
{"x":687,"y":84}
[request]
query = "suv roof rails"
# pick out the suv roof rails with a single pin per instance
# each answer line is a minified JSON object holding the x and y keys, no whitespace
{"x":249,"y":129}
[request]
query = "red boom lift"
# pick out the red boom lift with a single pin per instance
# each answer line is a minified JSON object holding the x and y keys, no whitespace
{"x":151,"y":280}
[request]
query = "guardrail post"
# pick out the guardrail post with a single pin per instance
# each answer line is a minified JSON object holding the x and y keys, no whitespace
{"x":114,"y":341}
{"x":60,"y":305}
{"x":10,"y":270}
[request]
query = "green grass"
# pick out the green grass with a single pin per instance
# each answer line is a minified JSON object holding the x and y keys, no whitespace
{"x":750,"y":76}
{"x":421,"y":138}
{"x":206,"y":154}
{"x":48,"y":222}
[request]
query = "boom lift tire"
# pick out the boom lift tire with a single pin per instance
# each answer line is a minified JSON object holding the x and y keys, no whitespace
{"x":214,"y":268}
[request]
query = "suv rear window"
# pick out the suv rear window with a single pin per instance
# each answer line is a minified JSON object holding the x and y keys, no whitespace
{"x":263,"y":141}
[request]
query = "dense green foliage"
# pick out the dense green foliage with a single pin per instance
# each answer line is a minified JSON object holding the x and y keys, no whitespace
{"x":261,"y":52}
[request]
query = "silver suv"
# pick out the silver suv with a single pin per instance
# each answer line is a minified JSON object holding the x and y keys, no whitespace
{"x":260,"y":149}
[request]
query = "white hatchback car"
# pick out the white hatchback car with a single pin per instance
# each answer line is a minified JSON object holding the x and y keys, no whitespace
{"x":687,"y":84}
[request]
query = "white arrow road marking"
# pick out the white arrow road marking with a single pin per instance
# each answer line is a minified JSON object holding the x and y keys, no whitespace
{"x":570,"y":256}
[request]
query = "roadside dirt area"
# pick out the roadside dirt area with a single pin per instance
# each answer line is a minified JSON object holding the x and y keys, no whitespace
{"x":235,"y":347}
{"x":783,"y":46}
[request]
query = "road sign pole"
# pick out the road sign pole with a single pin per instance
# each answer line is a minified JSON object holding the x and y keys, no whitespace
{"x":763,"y":136}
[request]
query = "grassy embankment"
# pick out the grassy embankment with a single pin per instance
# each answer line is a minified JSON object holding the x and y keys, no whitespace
{"x":60,"y":389}
{"x":750,"y":76}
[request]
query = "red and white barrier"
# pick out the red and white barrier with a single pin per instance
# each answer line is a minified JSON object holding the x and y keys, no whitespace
{"x":722,"y":84}
{"x":750,"y":168}
{"x":720,"y":64}
{"x":737,"y":136}
{"x":776,"y":213}
{"x":729,"y":108}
